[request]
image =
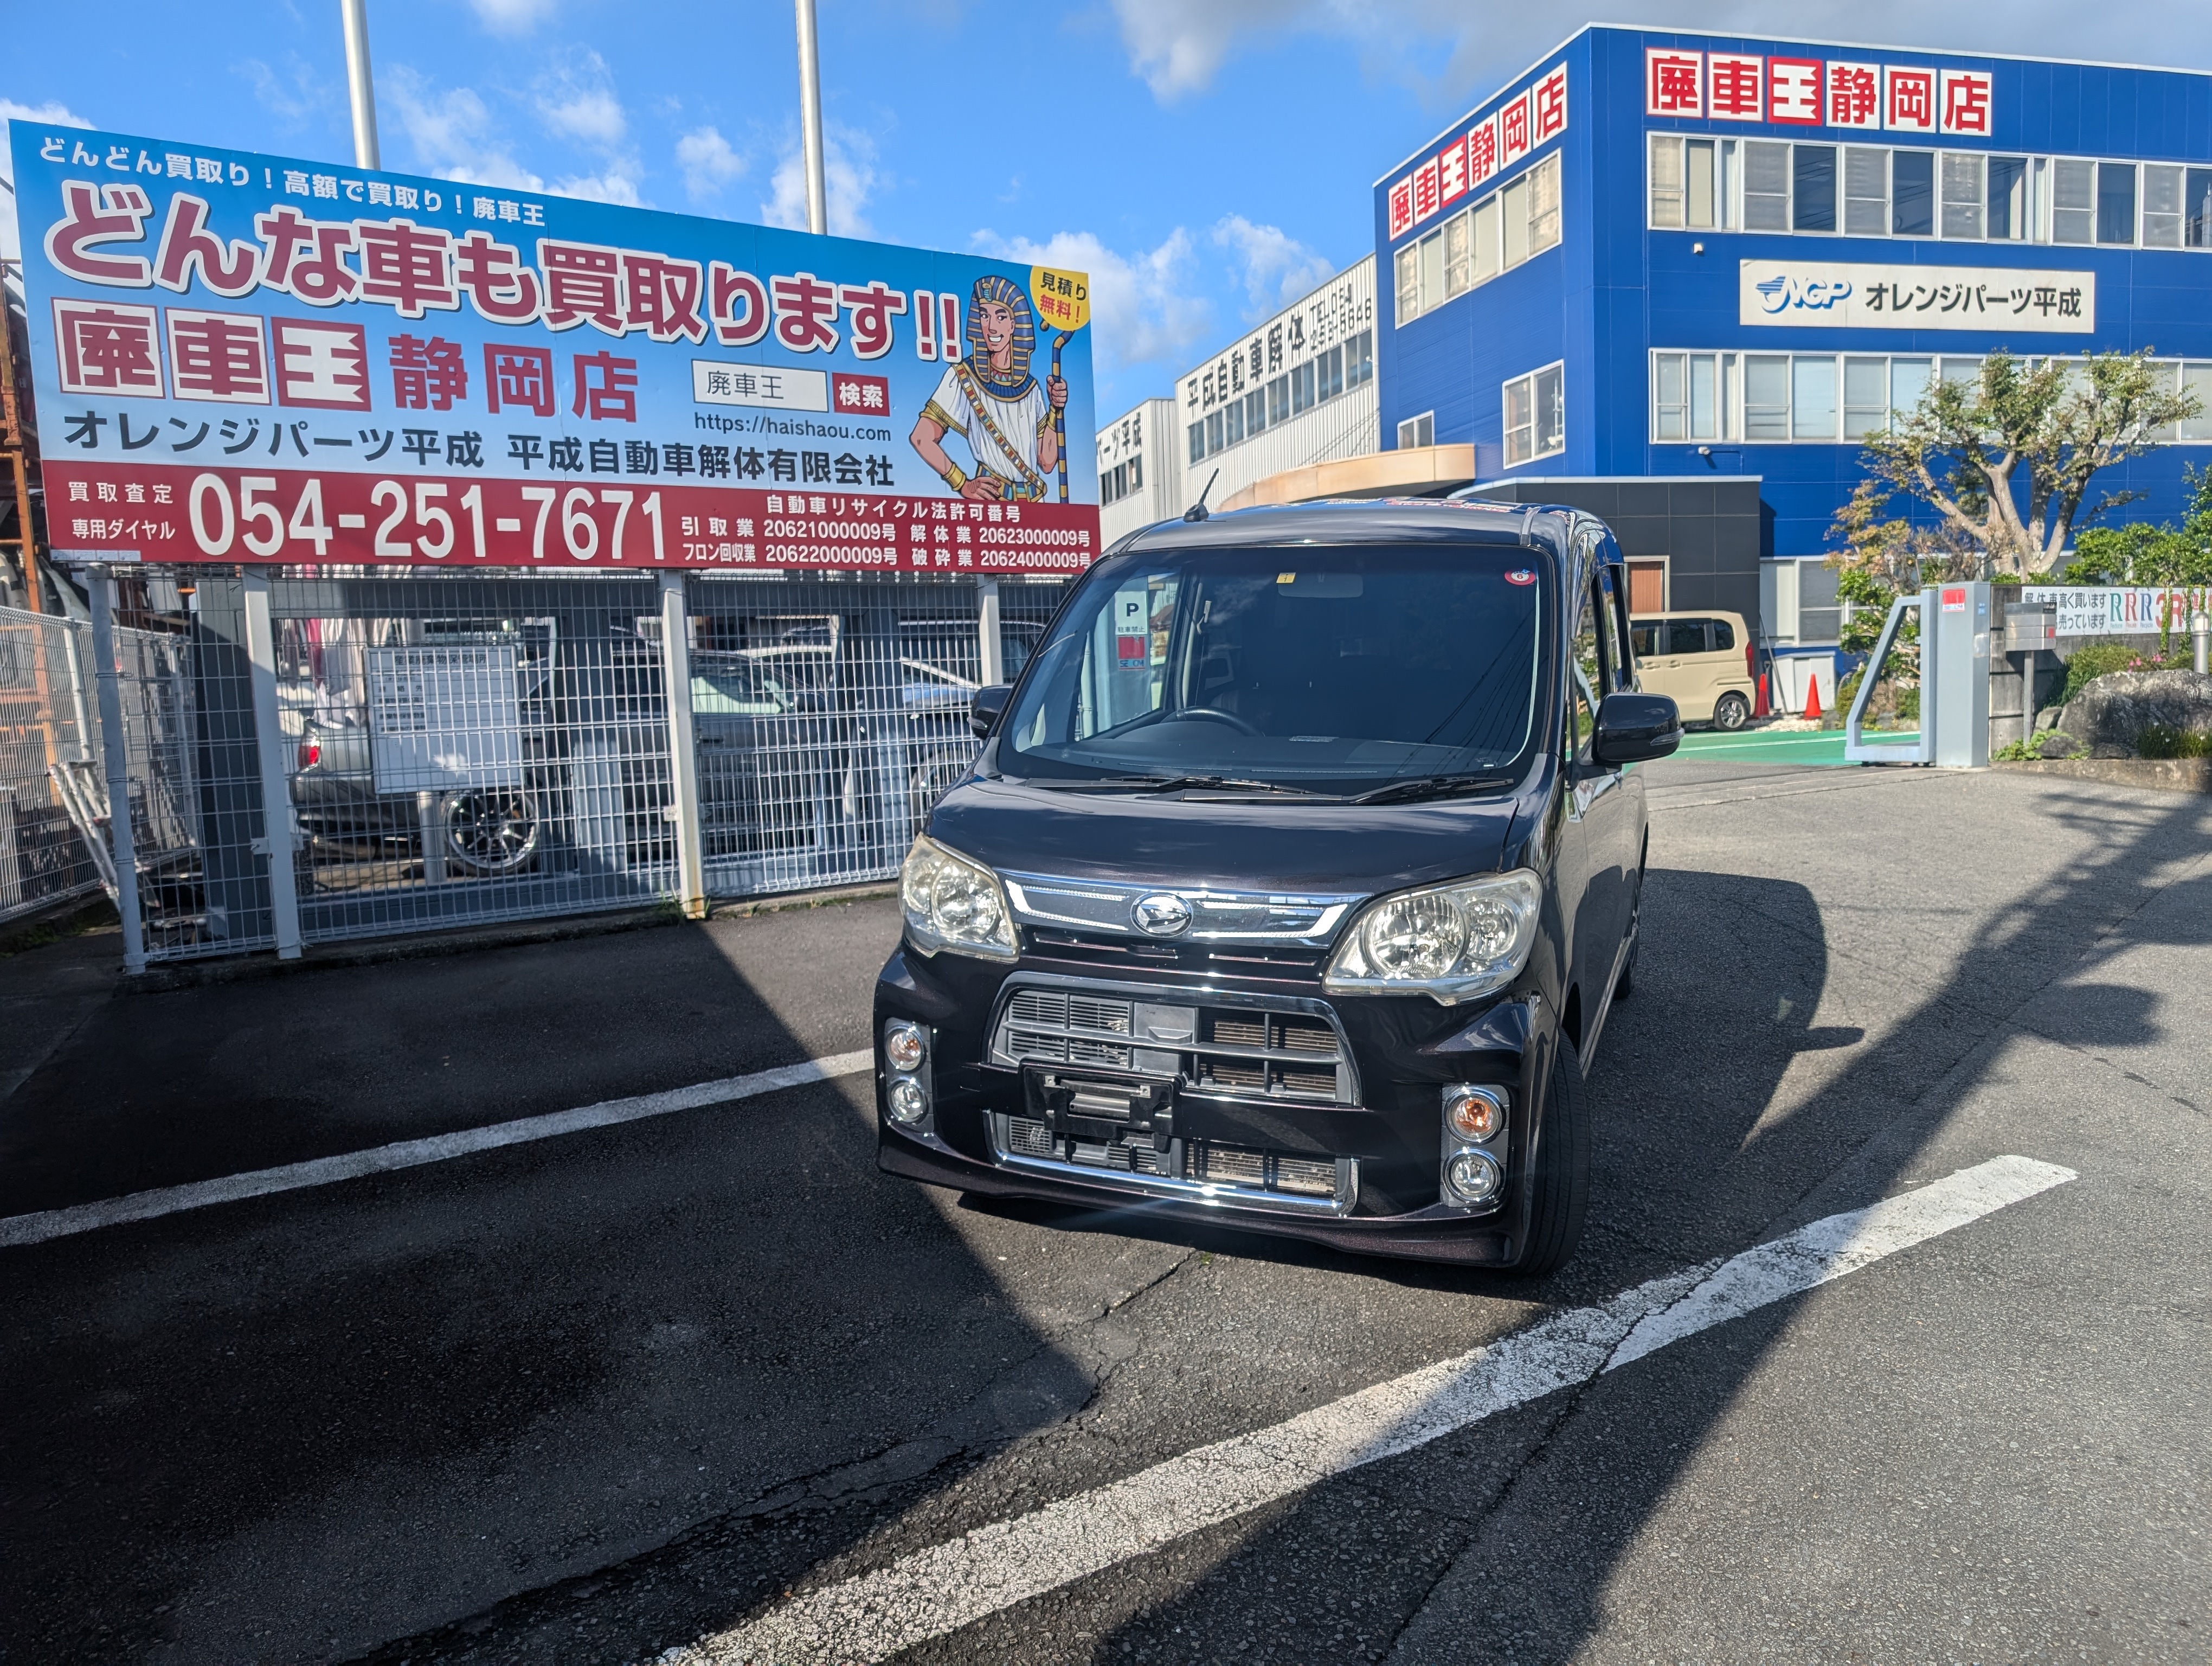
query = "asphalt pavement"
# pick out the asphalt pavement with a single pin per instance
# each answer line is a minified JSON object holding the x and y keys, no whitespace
{"x":655,"y":1389}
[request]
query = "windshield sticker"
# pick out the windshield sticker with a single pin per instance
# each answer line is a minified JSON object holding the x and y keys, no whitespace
{"x":1521,"y":576}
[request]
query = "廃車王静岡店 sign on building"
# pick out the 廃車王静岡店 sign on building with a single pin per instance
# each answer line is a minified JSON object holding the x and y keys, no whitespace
{"x":1701,"y":269}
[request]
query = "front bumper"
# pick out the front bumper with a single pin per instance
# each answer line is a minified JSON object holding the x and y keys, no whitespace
{"x":995,"y":1127}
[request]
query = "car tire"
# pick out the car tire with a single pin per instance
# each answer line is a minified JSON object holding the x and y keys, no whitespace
{"x":1560,"y":1180}
{"x":491,"y":831}
{"x":1731,"y":712}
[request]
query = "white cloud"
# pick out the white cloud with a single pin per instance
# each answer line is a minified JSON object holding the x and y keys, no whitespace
{"x":1143,"y":308}
{"x":1277,"y":268}
{"x":578,"y":102}
{"x":295,"y":96}
{"x":848,"y":159}
{"x":1449,"y":50}
{"x":614,"y":182}
{"x":512,"y":16}
{"x":453,"y":133}
{"x":707,"y":162}
{"x":54,"y":114}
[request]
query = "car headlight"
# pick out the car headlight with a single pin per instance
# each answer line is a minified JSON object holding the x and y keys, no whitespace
{"x":951,"y":903}
{"x":1453,"y":942}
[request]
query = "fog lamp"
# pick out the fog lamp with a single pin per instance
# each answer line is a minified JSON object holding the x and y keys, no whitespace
{"x":908,"y":1102}
{"x":1474,"y":1176}
{"x":903,"y":1046}
{"x":1474,"y":1113}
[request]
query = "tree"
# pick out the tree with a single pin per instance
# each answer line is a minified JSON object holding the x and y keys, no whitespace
{"x":1973,"y":449}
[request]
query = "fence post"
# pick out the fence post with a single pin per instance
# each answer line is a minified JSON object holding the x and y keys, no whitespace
{"x":994,"y":660}
{"x":280,"y":839}
{"x":683,"y":750}
{"x":117,"y":747}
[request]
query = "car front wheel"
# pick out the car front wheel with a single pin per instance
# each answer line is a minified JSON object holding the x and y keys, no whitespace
{"x":1733,"y":711}
{"x":492,"y":831}
{"x":1559,"y":1179}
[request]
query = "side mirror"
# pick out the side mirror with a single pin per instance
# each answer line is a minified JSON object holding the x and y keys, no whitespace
{"x":1632,"y":728}
{"x":989,"y":704}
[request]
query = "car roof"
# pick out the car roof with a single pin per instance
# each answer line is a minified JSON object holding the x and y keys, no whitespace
{"x":1359,"y":520}
{"x":1687,"y":613}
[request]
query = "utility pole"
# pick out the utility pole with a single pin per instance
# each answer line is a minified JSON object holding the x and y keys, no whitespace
{"x":359,"y":84}
{"x":810,"y":116}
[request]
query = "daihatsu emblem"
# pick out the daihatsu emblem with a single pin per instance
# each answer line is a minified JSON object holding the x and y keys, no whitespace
{"x":1163,"y":914}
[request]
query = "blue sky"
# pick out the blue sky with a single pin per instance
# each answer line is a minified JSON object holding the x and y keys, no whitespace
{"x":1205,"y":160}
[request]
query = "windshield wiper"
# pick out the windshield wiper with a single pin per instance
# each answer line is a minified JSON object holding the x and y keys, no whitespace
{"x":1429,"y":787}
{"x":1179,"y":783}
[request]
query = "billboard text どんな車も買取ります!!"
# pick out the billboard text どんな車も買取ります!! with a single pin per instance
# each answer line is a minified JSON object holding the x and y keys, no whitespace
{"x":240,"y":357}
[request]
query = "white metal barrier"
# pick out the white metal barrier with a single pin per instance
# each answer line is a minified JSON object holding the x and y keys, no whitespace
{"x":446,"y":750}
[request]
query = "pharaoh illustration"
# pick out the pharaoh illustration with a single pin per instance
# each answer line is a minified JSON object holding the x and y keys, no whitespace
{"x":990,"y":400}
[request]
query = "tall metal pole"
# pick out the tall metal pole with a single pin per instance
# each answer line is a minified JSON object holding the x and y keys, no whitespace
{"x":359,"y":84}
{"x":810,"y":117}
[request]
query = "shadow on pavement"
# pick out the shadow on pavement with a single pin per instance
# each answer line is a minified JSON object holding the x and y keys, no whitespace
{"x":1697,"y":1156}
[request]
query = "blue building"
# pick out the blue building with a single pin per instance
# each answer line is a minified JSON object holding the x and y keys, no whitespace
{"x":1661,"y":259}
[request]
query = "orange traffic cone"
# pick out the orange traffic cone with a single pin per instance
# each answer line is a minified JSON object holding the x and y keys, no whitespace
{"x":1812,"y":697}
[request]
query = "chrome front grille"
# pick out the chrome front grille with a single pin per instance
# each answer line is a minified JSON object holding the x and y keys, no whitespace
{"x":1201,"y":1169}
{"x":1289,"y":1050}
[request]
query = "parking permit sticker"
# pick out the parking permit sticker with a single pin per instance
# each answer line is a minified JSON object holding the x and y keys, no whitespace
{"x":1521,"y":576}
{"x":1954,"y":601}
{"x":1132,"y":623}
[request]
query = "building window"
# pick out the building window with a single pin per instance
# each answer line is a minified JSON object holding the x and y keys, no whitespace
{"x":1278,"y":400}
{"x":1543,"y":205}
{"x":1329,"y":373}
{"x":1692,"y":182}
{"x":2116,"y":202}
{"x":1813,"y":187}
{"x":2073,"y":201}
{"x":2196,"y":232}
{"x":1793,"y":397}
{"x":1912,"y":193}
{"x":1503,"y":231}
{"x":1535,"y":415}
{"x":1360,"y":359}
{"x":1766,"y":187}
{"x":1866,"y":192}
{"x":2009,"y":221}
{"x":1962,"y":194}
{"x":1870,"y":191}
{"x":1458,"y":275}
{"x":1197,"y":441}
{"x":1418,"y":433}
{"x":1866,"y":396}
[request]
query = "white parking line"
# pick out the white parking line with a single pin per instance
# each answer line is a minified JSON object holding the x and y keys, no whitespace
{"x":412,"y":1154}
{"x":934,"y":1591}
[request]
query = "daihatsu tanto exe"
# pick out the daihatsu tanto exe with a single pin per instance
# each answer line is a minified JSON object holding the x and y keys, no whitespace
{"x":1291,"y":887}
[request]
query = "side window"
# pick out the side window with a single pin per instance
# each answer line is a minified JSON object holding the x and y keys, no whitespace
{"x":1723,"y":636}
{"x":1616,"y":661}
{"x":1586,"y":676}
{"x":1686,"y":635}
{"x":1641,"y":638}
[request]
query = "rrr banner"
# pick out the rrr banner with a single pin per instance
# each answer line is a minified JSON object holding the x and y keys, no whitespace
{"x":240,"y":357}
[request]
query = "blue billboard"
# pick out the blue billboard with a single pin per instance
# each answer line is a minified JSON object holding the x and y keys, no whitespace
{"x":241,"y":357}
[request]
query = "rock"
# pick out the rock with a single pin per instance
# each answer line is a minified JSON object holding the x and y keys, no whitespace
{"x":2109,"y":716}
{"x":2058,"y":745}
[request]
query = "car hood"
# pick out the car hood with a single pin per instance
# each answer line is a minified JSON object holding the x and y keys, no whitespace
{"x":1273,"y":844}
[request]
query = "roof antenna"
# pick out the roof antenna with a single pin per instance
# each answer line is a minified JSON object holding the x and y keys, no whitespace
{"x":1197,"y":511}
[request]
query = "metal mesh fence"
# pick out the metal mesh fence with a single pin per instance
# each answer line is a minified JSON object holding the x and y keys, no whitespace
{"x":470,"y":749}
{"x":47,"y":745}
{"x":457,"y":749}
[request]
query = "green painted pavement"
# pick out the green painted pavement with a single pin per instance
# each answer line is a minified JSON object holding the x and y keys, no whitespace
{"x":1810,"y":747}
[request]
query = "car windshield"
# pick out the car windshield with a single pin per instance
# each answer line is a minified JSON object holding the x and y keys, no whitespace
{"x":1325,"y":669}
